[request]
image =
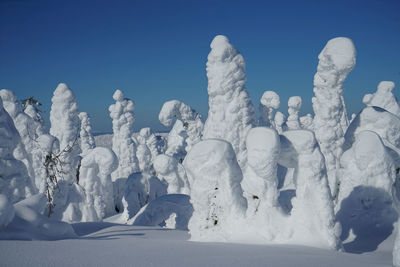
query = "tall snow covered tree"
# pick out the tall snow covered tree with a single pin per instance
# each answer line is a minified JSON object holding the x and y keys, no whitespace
{"x":65,"y":127}
{"x":336,"y":60}
{"x":294,"y":104}
{"x":231,"y":114}
{"x":87,"y":142}
{"x":383,"y":98}
{"x":268,"y":103}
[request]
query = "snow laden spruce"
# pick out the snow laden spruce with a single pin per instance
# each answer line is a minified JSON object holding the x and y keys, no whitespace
{"x":322,"y":180}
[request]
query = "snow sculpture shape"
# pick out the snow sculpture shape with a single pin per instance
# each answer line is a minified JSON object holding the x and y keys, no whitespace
{"x":268,"y":102}
{"x":306,"y":122}
{"x":86,"y":139}
{"x":279,"y":121}
{"x":140,"y":189}
{"x":172,"y":172}
{"x":124,"y":147}
{"x":336,"y":60}
{"x":383,"y":98}
{"x":294,"y":105}
{"x":26,"y":129}
{"x":216,"y":194}
{"x":14,"y":180}
{"x":312,"y":216}
{"x":260,"y":181}
{"x":190,"y":118}
{"x":158,"y":211}
{"x":378,"y":120}
{"x":65,"y":127}
{"x":95,"y":177}
{"x":231,"y":114}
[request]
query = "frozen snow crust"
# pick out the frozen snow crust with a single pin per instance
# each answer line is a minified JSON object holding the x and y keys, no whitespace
{"x":315,"y":180}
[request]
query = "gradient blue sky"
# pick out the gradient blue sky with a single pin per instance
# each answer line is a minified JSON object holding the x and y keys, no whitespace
{"x":156,"y":51}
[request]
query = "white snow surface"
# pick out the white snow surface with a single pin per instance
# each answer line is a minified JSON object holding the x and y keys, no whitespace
{"x":231,"y":113}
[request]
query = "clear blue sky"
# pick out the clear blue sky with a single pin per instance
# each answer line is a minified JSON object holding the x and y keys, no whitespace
{"x":156,"y":51}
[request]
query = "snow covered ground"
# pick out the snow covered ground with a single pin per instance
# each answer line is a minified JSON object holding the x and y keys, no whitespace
{"x":107,"y":244}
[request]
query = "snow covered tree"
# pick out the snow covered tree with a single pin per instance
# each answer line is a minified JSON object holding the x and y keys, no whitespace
{"x":190,"y":118}
{"x":294,"y":105}
{"x":231,"y":114}
{"x":176,"y":141}
{"x":87,"y":142}
{"x":30,"y":106}
{"x":147,"y":137}
{"x":123,"y":145}
{"x":25,"y":126}
{"x":336,"y":60}
{"x":260,"y":176}
{"x":172,"y":172}
{"x":14,"y":180}
{"x":383,"y":98}
{"x":306,"y":122}
{"x":312,"y":219}
{"x":268,"y":103}
{"x":279,"y":122}
{"x":65,"y":127}
{"x":216,"y":194}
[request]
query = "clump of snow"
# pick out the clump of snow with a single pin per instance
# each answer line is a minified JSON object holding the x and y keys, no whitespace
{"x":86,"y":139}
{"x":336,"y":60}
{"x":268,"y":103}
{"x":175,"y":208}
{"x":383,"y":98}
{"x":231,"y":114}
{"x":260,"y":176}
{"x":172,"y":172}
{"x":95,"y":178}
{"x":312,"y":216}
{"x":14,"y":180}
{"x":279,"y":121}
{"x":216,"y":194}
{"x":65,"y":127}
{"x":6,"y":211}
{"x":140,"y":189}
{"x":294,"y":105}
{"x":189,"y":117}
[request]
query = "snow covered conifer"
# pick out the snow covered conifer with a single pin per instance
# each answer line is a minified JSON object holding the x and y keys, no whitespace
{"x":14,"y":180}
{"x":190,"y":118}
{"x":260,"y":177}
{"x":147,"y":137}
{"x":268,"y":103}
{"x":65,"y":127}
{"x":124,"y":147}
{"x":306,"y":122}
{"x":279,"y":122}
{"x":231,"y":114}
{"x":86,"y":139}
{"x":176,"y":141}
{"x":294,"y":105}
{"x":172,"y":172}
{"x":216,"y":194}
{"x":336,"y":60}
{"x":383,"y":98}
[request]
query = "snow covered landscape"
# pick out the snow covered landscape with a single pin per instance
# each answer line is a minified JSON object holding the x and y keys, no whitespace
{"x":227,"y":190}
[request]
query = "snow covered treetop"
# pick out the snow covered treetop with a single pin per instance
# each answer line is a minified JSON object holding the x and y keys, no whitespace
{"x":64,"y":91}
{"x":338,"y":57}
{"x":294,"y":102}
{"x":224,"y":54}
{"x":270,"y":99}
{"x":176,"y":109}
{"x":118,"y":95}
{"x":10,"y":102}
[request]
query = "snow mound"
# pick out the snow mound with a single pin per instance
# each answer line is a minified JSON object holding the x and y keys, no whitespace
{"x":28,"y":224}
{"x":216,"y":194}
{"x":160,"y":210}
